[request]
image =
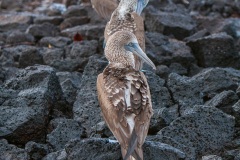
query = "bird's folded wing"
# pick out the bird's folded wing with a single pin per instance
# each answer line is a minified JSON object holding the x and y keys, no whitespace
{"x":111,"y":92}
{"x":105,"y":8}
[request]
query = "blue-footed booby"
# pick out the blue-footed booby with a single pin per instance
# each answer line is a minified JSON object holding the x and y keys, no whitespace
{"x":124,"y":95}
{"x":127,"y":17}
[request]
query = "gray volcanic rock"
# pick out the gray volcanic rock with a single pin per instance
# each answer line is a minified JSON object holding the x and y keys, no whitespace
{"x":64,"y":131}
{"x":59,"y":155}
{"x":3,"y":37}
{"x":88,"y":31}
{"x":51,"y":55}
{"x":159,"y":94}
{"x":2,"y":75}
{"x":234,"y":154}
{"x":70,"y":65}
{"x":74,"y":21}
{"x":217,"y":80}
{"x":26,"y":103}
{"x":178,"y":68}
{"x":78,"y":50}
{"x":217,"y":25}
{"x":216,"y":50}
{"x":69,"y":91}
{"x":103,"y":149}
{"x":8,"y":73}
{"x":101,"y":130}
{"x":175,"y":23}
{"x":163,"y":71}
{"x":224,"y":101}
{"x":9,"y":151}
{"x":86,"y":109}
{"x":29,"y":57}
{"x":160,"y":99}
{"x":58,"y":42}
{"x":215,"y":7}
{"x":164,"y":51}
{"x":169,"y":114}
{"x":202,"y":87}
{"x":75,"y":11}
{"x":43,"y":30}
{"x":211,"y":157}
{"x":55,"y":20}
{"x":238,"y":91}
{"x":20,"y":56}
{"x":75,"y":77}
{"x":36,"y":151}
{"x":206,"y":129}
{"x":70,"y":83}
{"x":236,"y":113}
{"x":186,"y":91}
{"x":14,"y":22}
{"x":18,"y":37}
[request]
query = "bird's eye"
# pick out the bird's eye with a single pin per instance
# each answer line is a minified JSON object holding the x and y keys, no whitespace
{"x":130,"y":44}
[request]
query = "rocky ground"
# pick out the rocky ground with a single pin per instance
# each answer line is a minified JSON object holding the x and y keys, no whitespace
{"x":51,"y":54}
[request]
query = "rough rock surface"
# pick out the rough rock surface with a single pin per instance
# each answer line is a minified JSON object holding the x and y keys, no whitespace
{"x":87,"y":31}
{"x":215,"y":50}
{"x":81,"y":49}
{"x":55,"y":20}
{"x":64,"y":130}
{"x":103,"y":149}
{"x":38,"y":32}
{"x":163,"y":50}
{"x":12,"y":22}
{"x":9,"y":151}
{"x":26,"y":103}
{"x":36,"y":151}
{"x":224,"y":101}
{"x":21,"y":56}
{"x":203,"y":86}
{"x":18,"y":37}
{"x":211,"y":157}
{"x":70,"y":83}
{"x":59,"y":42}
{"x":180,"y":25}
{"x":204,"y":128}
{"x":86,"y":109}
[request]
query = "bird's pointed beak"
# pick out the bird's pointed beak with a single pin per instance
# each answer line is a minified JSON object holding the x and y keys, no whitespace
{"x":140,"y":7}
{"x":136,"y":49}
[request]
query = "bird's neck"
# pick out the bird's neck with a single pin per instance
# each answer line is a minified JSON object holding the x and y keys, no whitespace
{"x":119,"y":57}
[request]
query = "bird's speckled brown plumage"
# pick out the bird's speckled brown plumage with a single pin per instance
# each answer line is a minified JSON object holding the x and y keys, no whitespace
{"x":124,"y":95}
{"x":128,"y":21}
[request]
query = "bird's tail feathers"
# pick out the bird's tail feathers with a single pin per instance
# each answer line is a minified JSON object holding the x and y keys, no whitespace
{"x":132,"y":154}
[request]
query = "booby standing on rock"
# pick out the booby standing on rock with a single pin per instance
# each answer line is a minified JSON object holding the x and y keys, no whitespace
{"x":125,"y":17}
{"x":124,"y":95}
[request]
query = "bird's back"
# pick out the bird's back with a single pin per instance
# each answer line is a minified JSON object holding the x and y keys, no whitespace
{"x":125,"y":101}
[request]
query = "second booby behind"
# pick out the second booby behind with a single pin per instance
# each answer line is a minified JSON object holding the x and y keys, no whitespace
{"x":105,"y":8}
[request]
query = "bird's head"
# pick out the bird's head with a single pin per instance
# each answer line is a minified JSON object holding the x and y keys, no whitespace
{"x":120,"y":48}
